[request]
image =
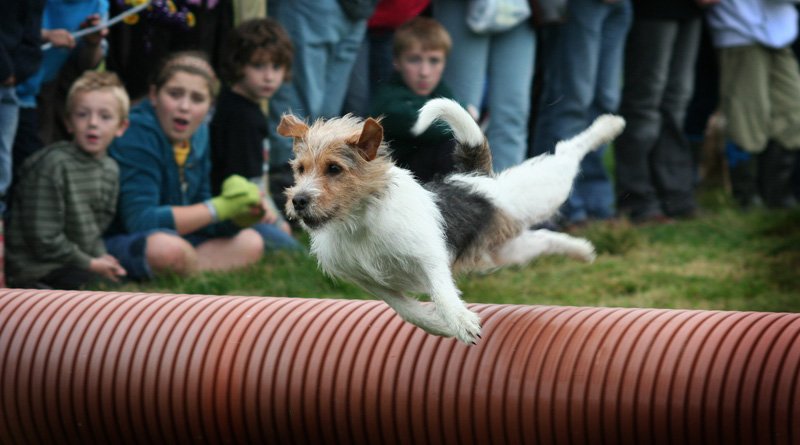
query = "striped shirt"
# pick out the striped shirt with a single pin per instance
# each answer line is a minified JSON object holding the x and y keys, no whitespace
{"x":63,"y":202}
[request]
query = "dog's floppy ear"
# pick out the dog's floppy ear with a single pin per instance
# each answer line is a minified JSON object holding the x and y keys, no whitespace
{"x":291,"y":126}
{"x":370,"y":139}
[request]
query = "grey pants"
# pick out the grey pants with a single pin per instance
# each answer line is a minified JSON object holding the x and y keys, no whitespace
{"x":654,"y":164}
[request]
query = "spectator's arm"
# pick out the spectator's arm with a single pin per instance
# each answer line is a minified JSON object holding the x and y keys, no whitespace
{"x":140,"y":208}
{"x":59,"y":38}
{"x":140,"y":177}
{"x":90,"y":49}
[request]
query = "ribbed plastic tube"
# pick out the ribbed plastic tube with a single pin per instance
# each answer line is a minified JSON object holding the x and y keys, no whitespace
{"x":86,"y":367}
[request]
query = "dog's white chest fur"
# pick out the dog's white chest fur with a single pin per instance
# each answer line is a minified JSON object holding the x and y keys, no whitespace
{"x":388,"y":241}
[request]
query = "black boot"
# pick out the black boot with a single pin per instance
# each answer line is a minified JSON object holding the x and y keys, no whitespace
{"x":775,"y":167}
{"x":743,"y":183}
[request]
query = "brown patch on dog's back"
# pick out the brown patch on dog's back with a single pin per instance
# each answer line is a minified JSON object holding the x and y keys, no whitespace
{"x":473,"y":159}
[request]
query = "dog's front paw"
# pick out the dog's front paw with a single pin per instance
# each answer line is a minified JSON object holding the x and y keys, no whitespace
{"x":464,"y":324}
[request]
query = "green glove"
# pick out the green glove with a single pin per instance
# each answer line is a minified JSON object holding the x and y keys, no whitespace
{"x":238,"y":196}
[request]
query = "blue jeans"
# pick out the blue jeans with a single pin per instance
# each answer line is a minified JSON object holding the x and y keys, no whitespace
{"x":326,"y":43}
{"x":275,"y":238}
{"x":9,"y":116}
{"x":500,"y":65}
{"x":583,"y":69}
{"x":130,"y":249}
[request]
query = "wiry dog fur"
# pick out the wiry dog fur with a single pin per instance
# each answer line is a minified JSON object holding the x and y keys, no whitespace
{"x":372,"y":223}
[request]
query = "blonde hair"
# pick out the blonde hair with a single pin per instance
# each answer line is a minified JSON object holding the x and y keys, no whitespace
{"x":191,"y":62}
{"x":100,"y":81}
{"x":423,"y":31}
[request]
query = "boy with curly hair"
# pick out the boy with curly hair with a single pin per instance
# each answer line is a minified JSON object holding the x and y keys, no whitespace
{"x":258,"y":60}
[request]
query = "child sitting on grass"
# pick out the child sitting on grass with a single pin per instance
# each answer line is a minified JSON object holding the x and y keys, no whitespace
{"x":168,"y":221}
{"x":257,"y":61}
{"x":67,"y":195}
{"x":419,"y":51}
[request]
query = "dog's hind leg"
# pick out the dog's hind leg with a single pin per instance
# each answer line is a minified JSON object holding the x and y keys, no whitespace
{"x":534,"y":243}
{"x":533,"y":191}
{"x":602,"y":131}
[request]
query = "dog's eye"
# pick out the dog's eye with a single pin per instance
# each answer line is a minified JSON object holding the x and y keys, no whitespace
{"x":334,"y":169}
{"x":300,"y":169}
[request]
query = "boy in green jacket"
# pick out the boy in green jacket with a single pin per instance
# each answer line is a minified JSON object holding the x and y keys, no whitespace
{"x":67,"y":195}
{"x":419,"y":52}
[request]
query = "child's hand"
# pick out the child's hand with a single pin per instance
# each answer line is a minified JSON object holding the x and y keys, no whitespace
{"x":107,"y":266}
{"x":270,"y":215}
{"x":239,"y":197}
{"x":94,"y":38}
{"x":255,"y":215}
{"x":60,"y":38}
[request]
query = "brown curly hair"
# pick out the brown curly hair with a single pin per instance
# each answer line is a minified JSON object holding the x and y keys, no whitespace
{"x":256,"y":40}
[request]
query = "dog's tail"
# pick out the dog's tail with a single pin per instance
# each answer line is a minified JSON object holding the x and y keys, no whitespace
{"x":472,"y":153}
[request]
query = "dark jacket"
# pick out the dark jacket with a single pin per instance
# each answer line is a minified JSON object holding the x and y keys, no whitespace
{"x":427,"y":155}
{"x":20,"y":38}
{"x":238,"y":134}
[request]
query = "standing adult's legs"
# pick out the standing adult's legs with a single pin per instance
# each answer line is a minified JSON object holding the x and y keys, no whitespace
{"x":467,"y":63}
{"x":323,"y":38}
{"x":647,"y":58}
{"x":9,"y":115}
{"x":511,"y":65}
{"x":594,"y":187}
{"x":672,"y":162}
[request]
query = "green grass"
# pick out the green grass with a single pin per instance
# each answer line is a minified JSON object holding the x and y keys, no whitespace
{"x":723,"y":260}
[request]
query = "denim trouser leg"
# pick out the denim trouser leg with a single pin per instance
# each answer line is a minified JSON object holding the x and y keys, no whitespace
{"x":326,"y":44}
{"x":654,"y":162}
{"x":9,"y":115}
{"x":275,"y":238}
{"x":511,"y":69}
{"x":503,"y":63}
{"x":583,"y":65}
{"x":357,"y":98}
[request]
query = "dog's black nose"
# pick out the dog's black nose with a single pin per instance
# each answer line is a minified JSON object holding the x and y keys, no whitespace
{"x":300,"y":202}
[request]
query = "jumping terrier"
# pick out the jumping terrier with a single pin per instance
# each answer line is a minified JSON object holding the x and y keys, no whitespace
{"x":372,"y":223}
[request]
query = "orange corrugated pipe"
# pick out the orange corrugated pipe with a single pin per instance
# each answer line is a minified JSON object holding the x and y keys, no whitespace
{"x":91,"y":367}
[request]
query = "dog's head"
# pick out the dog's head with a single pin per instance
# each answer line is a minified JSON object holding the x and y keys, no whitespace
{"x":338,"y":164}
